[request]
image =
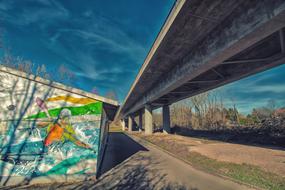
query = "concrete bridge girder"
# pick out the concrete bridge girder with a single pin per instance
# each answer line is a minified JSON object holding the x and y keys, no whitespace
{"x":237,"y":33}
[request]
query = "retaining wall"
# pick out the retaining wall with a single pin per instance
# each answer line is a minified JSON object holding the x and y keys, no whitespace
{"x":48,"y":132}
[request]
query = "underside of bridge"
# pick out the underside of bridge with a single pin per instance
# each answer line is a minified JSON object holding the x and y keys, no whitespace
{"x":263,"y":55}
{"x":206,"y":44}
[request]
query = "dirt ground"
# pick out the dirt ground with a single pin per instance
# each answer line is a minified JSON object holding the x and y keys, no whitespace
{"x":268,"y":159}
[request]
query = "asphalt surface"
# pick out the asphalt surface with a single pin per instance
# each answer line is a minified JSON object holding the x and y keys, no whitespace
{"x":119,"y":148}
{"x":131,"y":163}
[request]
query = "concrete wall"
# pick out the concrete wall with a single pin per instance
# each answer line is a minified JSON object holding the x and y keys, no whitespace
{"x":103,"y":140}
{"x":47,"y":133}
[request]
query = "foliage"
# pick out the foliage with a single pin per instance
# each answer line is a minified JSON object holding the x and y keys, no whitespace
{"x":208,"y":112}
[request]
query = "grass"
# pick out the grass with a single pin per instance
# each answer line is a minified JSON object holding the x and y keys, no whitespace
{"x":115,"y":128}
{"x":245,"y":173}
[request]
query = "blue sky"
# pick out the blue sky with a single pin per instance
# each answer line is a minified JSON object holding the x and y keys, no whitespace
{"x":104,"y":43}
{"x":255,"y":91}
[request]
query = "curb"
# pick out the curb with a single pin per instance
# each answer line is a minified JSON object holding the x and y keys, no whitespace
{"x":134,"y":137}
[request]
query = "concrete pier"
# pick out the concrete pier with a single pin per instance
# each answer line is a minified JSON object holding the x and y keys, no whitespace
{"x":123,"y":124}
{"x":166,"y":119}
{"x":130,"y":123}
{"x":140,"y":120}
{"x":148,"y":120}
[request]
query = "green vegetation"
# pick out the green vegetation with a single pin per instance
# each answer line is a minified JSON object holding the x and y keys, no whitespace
{"x":244,"y":173}
{"x":89,"y":109}
{"x":207,"y":111}
{"x":115,"y":129}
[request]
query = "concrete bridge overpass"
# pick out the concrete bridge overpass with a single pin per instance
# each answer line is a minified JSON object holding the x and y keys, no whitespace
{"x":203,"y":45}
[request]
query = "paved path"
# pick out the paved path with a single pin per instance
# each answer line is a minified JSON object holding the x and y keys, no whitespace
{"x":130,"y":163}
{"x":116,"y":151}
{"x":150,"y":168}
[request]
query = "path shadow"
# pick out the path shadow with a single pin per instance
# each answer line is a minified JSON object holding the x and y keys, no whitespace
{"x":119,"y":148}
{"x":132,"y":169}
{"x":140,"y":172}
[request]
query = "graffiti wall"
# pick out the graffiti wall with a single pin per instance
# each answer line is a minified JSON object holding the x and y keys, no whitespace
{"x":46,"y":131}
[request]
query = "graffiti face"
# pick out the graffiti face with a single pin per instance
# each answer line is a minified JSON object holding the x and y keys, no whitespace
{"x":11,"y":107}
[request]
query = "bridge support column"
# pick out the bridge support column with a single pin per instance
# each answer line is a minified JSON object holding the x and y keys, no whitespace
{"x":140,"y":121}
{"x":123,"y":124}
{"x":148,"y":119}
{"x":130,"y":123}
{"x":166,"y":119}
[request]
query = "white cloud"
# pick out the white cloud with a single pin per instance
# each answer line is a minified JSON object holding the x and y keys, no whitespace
{"x":119,"y":42}
{"x":88,"y":13}
{"x":276,"y":88}
{"x":103,"y":35}
{"x":5,"y":5}
{"x":50,"y":11}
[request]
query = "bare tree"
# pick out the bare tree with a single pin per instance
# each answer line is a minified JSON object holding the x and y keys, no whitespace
{"x":94,"y":90}
{"x":111,"y":94}
{"x":181,"y":114}
{"x":199,"y":104}
{"x":235,"y":111}
{"x":271,"y":105}
{"x":65,"y":73}
{"x":38,"y":70}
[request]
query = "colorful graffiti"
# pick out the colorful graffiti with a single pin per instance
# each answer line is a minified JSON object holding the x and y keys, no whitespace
{"x":59,"y":129}
{"x":54,"y":133}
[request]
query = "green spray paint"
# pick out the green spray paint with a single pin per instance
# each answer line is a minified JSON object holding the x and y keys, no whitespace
{"x":62,"y":167}
{"x":89,"y":109}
